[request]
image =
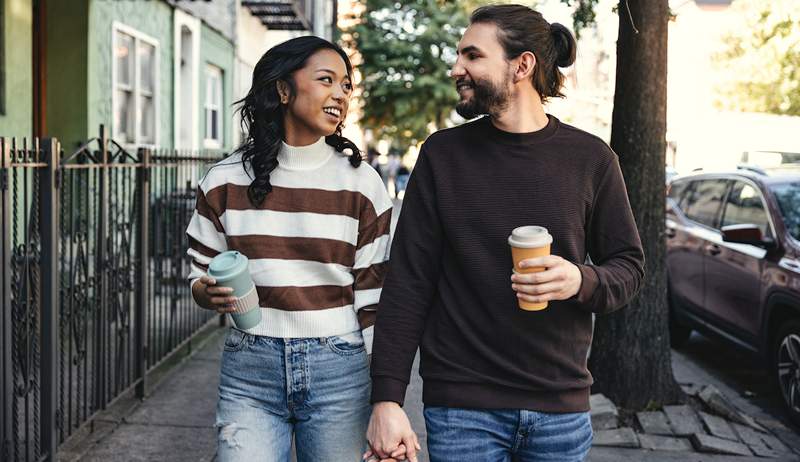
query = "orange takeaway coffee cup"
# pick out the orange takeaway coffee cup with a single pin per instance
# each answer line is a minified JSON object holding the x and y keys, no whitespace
{"x":529,"y":242}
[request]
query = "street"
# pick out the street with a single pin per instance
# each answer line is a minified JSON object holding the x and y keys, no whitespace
{"x":747,"y":380}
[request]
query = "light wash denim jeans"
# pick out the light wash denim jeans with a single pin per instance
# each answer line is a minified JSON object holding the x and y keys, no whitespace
{"x":316,"y":389}
{"x":503,"y":435}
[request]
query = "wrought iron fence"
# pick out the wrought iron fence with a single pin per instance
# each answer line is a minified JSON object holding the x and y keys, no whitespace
{"x":94,"y":285}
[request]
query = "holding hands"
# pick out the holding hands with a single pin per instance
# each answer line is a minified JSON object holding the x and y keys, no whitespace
{"x":390,"y":435}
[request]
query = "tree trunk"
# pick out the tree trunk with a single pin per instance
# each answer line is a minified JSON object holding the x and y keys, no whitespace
{"x":631,"y":353}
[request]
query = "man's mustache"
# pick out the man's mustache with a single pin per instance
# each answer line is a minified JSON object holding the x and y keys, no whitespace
{"x":464,"y":81}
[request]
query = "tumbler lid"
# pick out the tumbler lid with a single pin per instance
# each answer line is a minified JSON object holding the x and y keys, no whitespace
{"x":227,"y":264}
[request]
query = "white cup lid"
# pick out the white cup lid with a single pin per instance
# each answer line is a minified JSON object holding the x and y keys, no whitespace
{"x":530,"y":237}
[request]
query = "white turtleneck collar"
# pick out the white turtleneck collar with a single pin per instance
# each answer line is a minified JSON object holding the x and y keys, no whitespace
{"x":304,"y":157}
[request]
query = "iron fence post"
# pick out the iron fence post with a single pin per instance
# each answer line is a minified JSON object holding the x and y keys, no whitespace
{"x":101,"y":275}
{"x":143,"y":251}
{"x":6,"y":386}
{"x":49,"y":222}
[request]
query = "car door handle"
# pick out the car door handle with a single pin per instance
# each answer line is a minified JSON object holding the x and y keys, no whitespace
{"x":713,"y":249}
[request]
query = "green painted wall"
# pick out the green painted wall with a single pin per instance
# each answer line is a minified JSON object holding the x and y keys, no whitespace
{"x":152,"y":18}
{"x":218,"y":51}
{"x":18,"y":91}
{"x":67,"y":49}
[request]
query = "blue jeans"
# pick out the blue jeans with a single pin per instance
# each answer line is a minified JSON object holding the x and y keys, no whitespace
{"x":316,"y":389}
{"x":503,"y":435}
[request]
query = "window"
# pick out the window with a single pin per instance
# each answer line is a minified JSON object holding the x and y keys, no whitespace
{"x":2,"y":59}
{"x":213,"y":107}
{"x":744,"y":206}
{"x":677,"y":190}
{"x":706,"y":201}
{"x":134,"y":97}
{"x":788,"y":196}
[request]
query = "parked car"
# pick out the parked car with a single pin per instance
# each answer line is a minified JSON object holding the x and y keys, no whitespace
{"x":733,"y":262}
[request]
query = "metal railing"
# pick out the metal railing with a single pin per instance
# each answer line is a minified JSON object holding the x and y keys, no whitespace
{"x":94,"y":286}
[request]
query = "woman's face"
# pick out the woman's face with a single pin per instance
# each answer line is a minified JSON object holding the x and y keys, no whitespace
{"x":322,"y":96}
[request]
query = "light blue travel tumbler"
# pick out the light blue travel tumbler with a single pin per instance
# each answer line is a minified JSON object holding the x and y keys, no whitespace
{"x":229,"y":269}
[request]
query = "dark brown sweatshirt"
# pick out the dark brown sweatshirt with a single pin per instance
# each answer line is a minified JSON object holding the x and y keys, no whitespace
{"x":448,"y":289}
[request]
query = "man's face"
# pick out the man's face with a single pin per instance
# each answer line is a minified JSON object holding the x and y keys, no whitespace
{"x":481,"y":73}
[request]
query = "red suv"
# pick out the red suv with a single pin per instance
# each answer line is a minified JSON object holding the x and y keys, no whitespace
{"x":733,"y":260}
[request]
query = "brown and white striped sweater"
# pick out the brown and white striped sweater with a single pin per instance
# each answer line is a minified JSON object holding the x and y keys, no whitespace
{"x":318,"y":245}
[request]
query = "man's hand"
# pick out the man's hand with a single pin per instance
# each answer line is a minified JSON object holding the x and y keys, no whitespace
{"x":390,"y":435}
{"x":559,"y":281}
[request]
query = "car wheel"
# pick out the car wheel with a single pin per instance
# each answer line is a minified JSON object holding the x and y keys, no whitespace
{"x":786,"y":367}
{"x":678,"y":333}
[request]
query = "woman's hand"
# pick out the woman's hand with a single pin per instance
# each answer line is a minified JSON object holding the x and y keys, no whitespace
{"x":210,"y":296}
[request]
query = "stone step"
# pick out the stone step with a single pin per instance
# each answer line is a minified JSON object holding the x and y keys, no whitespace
{"x":712,"y":444}
{"x":654,"y":423}
{"x":683,"y":420}
{"x":603,"y":412}
{"x":762,"y":444}
{"x":664,"y":443}
{"x":717,"y":426}
{"x":621,"y":437}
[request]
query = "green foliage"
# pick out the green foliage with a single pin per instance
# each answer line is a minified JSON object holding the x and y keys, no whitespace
{"x":759,"y":67}
{"x":407,"y":49}
{"x":584,"y":15}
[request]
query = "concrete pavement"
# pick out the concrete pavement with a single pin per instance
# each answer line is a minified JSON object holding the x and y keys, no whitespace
{"x":176,"y":422}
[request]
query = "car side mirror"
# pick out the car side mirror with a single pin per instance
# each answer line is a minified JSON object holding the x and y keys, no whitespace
{"x":746,"y":234}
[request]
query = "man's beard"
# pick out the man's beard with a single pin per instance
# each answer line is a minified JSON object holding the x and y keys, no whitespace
{"x":487,"y":98}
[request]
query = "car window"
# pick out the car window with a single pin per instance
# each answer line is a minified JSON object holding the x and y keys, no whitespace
{"x":676,"y":190}
{"x":684,"y":194}
{"x":788,"y":195}
{"x":706,"y":201}
{"x":744,"y":206}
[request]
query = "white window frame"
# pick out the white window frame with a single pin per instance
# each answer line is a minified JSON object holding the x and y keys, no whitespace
{"x":193,"y":24}
{"x":138,"y":37}
{"x":216,"y":71}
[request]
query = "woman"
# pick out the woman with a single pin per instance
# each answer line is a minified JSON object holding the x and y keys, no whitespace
{"x":314,"y":223}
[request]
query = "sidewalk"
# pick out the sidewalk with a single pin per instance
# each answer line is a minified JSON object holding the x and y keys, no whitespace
{"x":176,"y":422}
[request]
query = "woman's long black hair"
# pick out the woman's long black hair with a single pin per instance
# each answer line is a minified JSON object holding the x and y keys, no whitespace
{"x":262,"y":113}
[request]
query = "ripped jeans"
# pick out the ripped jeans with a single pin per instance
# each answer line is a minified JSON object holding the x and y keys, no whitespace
{"x":315,"y":389}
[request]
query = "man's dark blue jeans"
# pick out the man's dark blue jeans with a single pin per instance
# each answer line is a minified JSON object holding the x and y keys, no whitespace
{"x":504,"y":435}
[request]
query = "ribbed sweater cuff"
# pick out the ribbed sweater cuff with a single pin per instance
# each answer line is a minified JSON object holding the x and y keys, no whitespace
{"x":589,"y":283}
{"x":388,"y":389}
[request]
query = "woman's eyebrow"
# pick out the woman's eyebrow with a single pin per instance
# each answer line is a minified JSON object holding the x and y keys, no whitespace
{"x":329,"y":71}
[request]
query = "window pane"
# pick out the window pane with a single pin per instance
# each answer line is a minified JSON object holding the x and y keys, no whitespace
{"x":124,"y":57}
{"x":147,"y":123}
{"x":147,"y":68}
{"x":218,"y":91}
{"x":215,"y":124}
{"x":788,"y":196}
{"x":208,"y":124}
{"x":706,"y":201}
{"x":123,"y":116}
{"x":744,"y":206}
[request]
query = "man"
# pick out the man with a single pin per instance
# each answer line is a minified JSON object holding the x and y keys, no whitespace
{"x":501,"y":382}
